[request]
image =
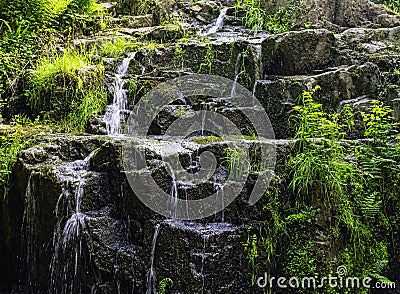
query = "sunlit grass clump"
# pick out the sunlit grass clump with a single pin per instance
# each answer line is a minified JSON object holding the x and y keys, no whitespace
{"x":67,"y":87}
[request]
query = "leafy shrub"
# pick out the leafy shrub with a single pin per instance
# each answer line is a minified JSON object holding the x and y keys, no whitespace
{"x":259,"y":16}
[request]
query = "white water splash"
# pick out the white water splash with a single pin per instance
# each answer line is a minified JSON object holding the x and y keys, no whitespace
{"x":219,"y":22}
{"x":120,"y":101}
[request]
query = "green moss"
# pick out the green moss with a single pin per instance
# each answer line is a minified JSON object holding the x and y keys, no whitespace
{"x":206,"y":140}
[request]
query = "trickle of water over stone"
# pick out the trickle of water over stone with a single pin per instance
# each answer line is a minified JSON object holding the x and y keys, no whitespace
{"x":220,"y":192}
{"x":114,"y":111}
{"x":237,"y":73}
{"x":28,"y":232}
{"x":151,"y":276}
{"x":203,"y":255}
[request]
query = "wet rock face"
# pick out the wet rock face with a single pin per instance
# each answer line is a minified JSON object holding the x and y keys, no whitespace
{"x":198,"y":255}
{"x":298,"y":52}
{"x":346,"y":13}
{"x":83,"y":228}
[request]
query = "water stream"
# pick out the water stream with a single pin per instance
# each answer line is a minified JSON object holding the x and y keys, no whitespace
{"x":120,"y":101}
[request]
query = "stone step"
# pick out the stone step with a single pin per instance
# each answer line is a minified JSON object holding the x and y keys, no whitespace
{"x":302,"y":52}
{"x":130,"y":22}
{"x":279,"y":94}
{"x":197,"y":253}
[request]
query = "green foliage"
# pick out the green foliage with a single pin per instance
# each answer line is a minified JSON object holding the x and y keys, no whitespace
{"x":13,"y":138}
{"x":354,"y":190}
{"x":179,"y":56}
{"x":92,"y":103}
{"x":313,"y":122}
{"x":10,"y":145}
{"x":28,"y":28}
{"x":163,"y":285}
{"x":257,"y":17}
{"x":67,"y":86}
{"x":281,"y":21}
{"x":301,"y":259}
{"x":237,"y":160}
{"x":393,"y":5}
{"x":379,"y":122}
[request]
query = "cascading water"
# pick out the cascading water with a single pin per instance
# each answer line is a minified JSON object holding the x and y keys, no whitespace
{"x":151,"y":276}
{"x":118,"y":107}
{"x":219,"y":22}
{"x":66,"y":263}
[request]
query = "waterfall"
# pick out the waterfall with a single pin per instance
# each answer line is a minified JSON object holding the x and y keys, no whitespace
{"x":237,"y":73}
{"x":151,"y":276}
{"x":219,"y":23}
{"x":68,"y":240}
{"x":120,"y":101}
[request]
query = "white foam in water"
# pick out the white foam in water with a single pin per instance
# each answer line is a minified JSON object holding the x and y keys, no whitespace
{"x":120,"y":101}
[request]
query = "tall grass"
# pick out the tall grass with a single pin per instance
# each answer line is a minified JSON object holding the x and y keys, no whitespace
{"x":67,"y":86}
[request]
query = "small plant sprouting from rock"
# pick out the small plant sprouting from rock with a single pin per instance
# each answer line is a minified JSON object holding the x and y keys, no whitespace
{"x":250,"y":247}
{"x":179,"y":56}
{"x":164,"y":284}
{"x":206,"y":65}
